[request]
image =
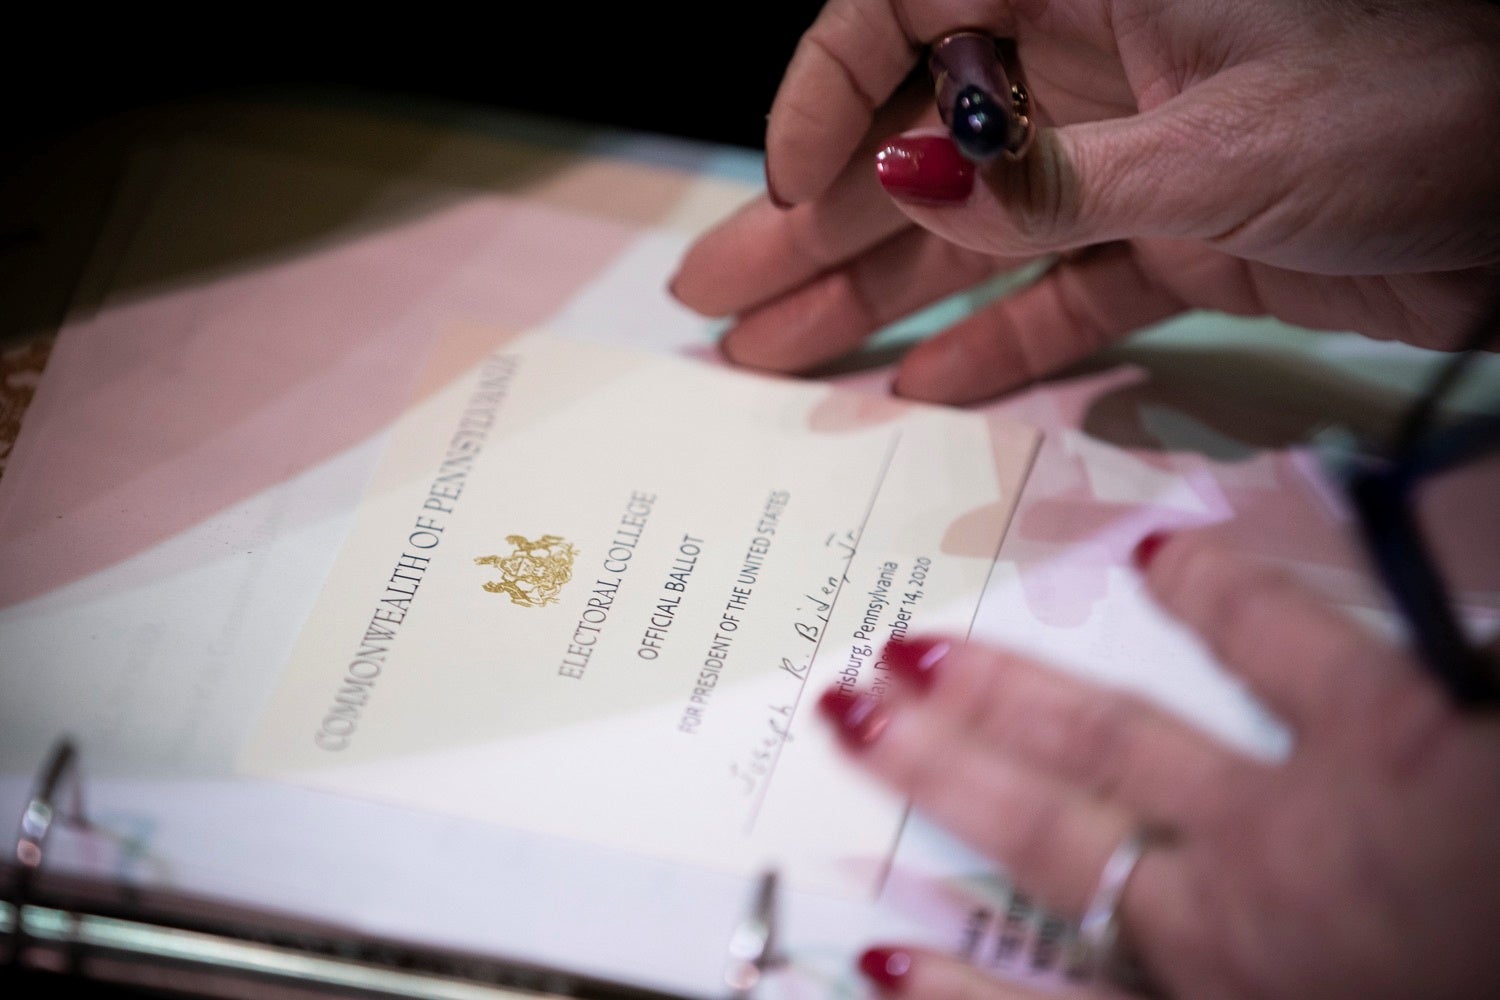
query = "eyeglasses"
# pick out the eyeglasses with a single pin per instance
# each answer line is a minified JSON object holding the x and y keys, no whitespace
{"x":1382,"y":485}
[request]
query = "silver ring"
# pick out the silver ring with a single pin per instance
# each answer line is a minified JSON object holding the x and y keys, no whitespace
{"x":1100,"y":927}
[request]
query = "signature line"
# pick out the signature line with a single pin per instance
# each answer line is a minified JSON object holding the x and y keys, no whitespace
{"x":765,"y":785}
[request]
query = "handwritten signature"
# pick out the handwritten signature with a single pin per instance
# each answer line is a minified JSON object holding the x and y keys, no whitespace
{"x":813,"y":616}
{"x":757,"y":764}
{"x":755,"y":767}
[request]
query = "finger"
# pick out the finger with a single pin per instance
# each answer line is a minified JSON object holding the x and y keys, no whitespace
{"x":1206,"y":164}
{"x":899,"y":970}
{"x":1307,"y":661}
{"x":832,"y":315}
{"x":762,"y":251}
{"x":846,"y":65}
{"x":1079,"y":305}
{"x":1052,"y":838}
{"x":1110,"y":743}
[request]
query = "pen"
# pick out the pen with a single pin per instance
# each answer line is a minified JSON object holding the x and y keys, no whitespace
{"x":986,"y":110}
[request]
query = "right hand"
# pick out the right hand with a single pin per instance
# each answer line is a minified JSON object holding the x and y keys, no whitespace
{"x":1331,"y":164}
{"x":1360,"y":865}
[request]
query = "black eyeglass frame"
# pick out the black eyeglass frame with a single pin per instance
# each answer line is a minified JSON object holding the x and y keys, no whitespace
{"x":1382,"y":485}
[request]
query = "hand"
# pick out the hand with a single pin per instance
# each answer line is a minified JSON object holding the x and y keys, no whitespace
{"x":1330,"y":164}
{"x":1363,"y":865}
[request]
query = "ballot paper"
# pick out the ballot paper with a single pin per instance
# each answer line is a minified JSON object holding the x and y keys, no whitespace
{"x":595,"y":593}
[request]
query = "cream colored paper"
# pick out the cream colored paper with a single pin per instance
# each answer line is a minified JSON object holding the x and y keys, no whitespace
{"x":679,"y":558}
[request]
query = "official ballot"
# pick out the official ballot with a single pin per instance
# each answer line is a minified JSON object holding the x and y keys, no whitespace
{"x":595,"y":594}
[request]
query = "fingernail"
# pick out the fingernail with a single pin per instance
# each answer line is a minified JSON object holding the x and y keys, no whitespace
{"x":924,"y":169}
{"x":916,"y":660}
{"x":886,"y":967}
{"x":859,"y":718}
{"x":1145,"y":550}
{"x":722,"y":346}
{"x":776,"y":199}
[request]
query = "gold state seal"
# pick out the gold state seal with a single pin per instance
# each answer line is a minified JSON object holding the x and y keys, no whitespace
{"x":535,"y":571}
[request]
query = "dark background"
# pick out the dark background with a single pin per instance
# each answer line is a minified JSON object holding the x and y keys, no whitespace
{"x":658,"y":68}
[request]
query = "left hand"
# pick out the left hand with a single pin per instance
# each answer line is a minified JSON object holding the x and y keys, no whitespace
{"x":1363,"y":866}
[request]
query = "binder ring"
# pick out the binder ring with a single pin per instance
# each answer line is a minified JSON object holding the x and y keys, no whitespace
{"x":37,"y":819}
{"x":753,"y":947}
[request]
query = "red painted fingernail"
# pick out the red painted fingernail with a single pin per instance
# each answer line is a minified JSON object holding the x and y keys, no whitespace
{"x":886,"y":967}
{"x":924,"y":169}
{"x":859,"y":718}
{"x":1145,"y":550}
{"x":916,"y":660}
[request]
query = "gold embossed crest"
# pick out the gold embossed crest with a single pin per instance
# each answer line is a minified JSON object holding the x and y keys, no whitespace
{"x":534,"y":573}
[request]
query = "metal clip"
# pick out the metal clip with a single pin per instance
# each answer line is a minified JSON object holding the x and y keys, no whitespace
{"x":37,"y":819}
{"x":752,"y":947}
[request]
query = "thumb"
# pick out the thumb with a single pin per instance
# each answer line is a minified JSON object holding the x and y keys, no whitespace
{"x":1201,"y":166}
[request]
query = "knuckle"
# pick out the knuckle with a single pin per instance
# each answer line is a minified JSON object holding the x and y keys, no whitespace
{"x":1206,"y":791}
{"x":924,"y":769}
{"x":1099,"y":727}
{"x":811,"y":238}
{"x":1040,"y":195}
{"x":822,"y":39}
{"x":1246,"y":140}
{"x":1084,"y":313}
{"x":980,"y":689}
{"x":1235,"y":601}
{"x":1028,"y":834}
{"x":1172,"y":575}
{"x":1412,"y":719}
{"x":1239,"y":620}
{"x":1225,"y":799}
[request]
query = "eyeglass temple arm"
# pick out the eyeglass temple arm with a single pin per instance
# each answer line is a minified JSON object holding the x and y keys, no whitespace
{"x":1394,"y":541}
